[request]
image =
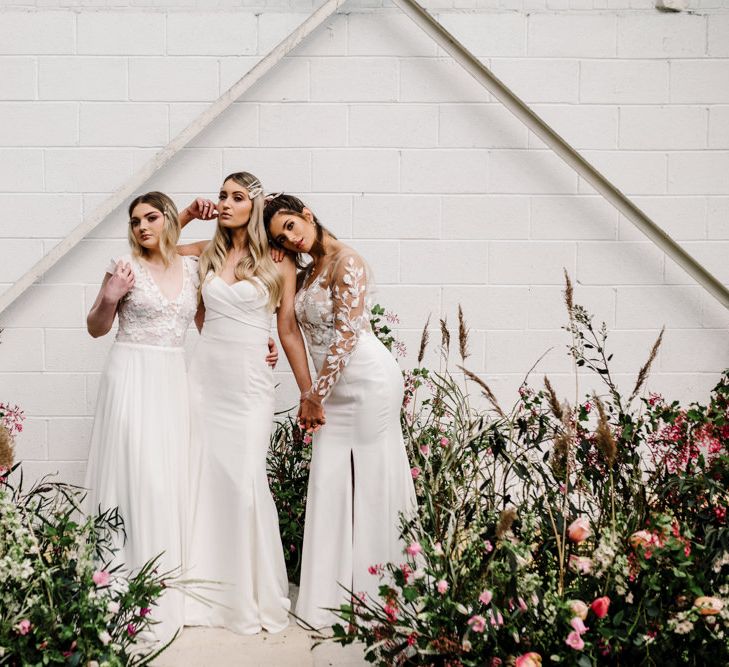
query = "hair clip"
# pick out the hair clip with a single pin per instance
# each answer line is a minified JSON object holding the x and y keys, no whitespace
{"x":254,"y":189}
{"x":271,"y":196}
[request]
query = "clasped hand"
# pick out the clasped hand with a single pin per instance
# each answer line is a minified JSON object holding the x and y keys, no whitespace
{"x":311,"y":413}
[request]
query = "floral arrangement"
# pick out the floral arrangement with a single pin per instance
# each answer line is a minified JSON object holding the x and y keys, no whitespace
{"x":585,"y":532}
{"x":61,"y":602}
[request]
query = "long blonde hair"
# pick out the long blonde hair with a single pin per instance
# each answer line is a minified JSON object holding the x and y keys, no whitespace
{"x":258,"y":262}
{"x":170,"y":231}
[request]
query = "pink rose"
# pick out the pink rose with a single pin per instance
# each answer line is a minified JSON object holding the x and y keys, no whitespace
{"x":23,"y":627}
{"x":413,"y":549}
{"x":101,"y":577}
{"x":442,"y":586}
{"x":415,"y":472}
{"x":600,"y":606}
{"x":444,"y":442}
{"x":477,"y":623}
{"x":488,"y":546}
{"x":574,"y":641}
{"x":485,"y":596}
{"x":581,"y":564}
{"x":530,"y":659}
{"x":424,"y":450}
{"x":307,"y":439}
{"x":578,"y":626}
{"x":579,"y":530}
{"x":579,"y":608}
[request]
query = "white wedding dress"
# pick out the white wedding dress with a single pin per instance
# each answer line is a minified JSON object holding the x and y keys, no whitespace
{"x":360,"y":479}
{"x":140,"y":438}
{"x":234,"y":536}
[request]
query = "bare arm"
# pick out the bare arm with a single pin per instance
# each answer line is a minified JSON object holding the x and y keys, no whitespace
{"x":288,"y":328}
{"x":113,"y":288}
{"x":202,"y":209}
{"x":200,"y":316}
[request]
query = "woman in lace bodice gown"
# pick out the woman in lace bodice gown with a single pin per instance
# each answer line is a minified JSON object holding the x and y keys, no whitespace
{"x":140,"y":438}
{"x":234,"y":534}
{"x":360,"y":481}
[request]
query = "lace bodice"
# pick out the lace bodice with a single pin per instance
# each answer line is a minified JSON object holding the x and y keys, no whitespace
{"x":147,"y":317}
{"x":334,"y":310}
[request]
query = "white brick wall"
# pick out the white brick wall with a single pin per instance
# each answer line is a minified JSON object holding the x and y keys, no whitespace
{"x":397,"y":150}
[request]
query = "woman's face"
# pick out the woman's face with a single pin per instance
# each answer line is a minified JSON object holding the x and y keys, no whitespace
{"x":147,"y":224}
{"x":293,"y":231}
{"x":234,"y":205}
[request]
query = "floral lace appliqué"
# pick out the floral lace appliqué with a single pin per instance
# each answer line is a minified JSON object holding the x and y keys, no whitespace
{"x":146,"y":317}
{"x":333,"y":311}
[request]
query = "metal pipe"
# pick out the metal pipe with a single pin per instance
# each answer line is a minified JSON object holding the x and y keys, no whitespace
{"x":500,"y":91}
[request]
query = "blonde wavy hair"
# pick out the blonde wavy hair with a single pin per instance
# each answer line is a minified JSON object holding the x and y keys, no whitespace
{"x":258,"y":263}
{"x":170,"y":231}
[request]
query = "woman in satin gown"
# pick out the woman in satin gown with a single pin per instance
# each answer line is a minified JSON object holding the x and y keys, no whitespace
{"x":140,"y":438}
{"x":360,"y":482}
{"x":234,"y":534}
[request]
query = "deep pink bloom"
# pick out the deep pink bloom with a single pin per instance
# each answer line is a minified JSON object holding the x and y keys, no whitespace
{"x":23,"y":627}
{"x":442,"y":586}
{"x":391,"y":612}
{"x":412,"y":639}
{"x":574,"y":641}
{"x":144,"y":611}
{"x":485,"y":596}
{"x":415,"y":472}
{"x":373,"y":569}
{"x":413,"y":549}
{"x":477,"y":623}
{"x":600,"y":606}
{"x":131,"y":629}
{"x":101,"y":577}
{"x":488,"y":546}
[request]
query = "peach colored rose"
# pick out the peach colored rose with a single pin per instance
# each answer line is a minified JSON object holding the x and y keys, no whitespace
{"x":530,"y":659}
{"x":579,"y":608}
{"x":579,"y":530}
{"x":708,"y":606}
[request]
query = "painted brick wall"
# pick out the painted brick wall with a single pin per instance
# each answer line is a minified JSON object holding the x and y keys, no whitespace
{"x":398,"y":151}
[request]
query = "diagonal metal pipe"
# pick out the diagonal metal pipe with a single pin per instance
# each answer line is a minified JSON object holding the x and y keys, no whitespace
{"x":521,"y":110}
{"x":160,"y":159}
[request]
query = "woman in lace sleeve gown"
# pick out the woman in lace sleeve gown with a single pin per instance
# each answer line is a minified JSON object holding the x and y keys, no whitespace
{"x":360,"y":479}
{"x":140,"y":438}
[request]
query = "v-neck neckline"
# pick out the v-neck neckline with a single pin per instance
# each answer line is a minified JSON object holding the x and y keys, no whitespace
{"x":158,"y":288}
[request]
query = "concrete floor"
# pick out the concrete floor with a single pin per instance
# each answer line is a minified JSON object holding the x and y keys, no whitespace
{"x":214,"y":647}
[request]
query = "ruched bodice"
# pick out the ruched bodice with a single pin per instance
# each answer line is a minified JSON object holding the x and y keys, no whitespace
{"x":236,"y":313}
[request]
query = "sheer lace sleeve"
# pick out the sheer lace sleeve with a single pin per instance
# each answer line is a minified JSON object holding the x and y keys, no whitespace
{"x":348,"y":285}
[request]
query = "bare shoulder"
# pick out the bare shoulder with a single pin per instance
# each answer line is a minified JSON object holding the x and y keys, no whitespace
{"x":192,"y":249}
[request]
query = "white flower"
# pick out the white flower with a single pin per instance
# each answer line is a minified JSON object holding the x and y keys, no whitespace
{"x":104,"y":637}
{"x":629,"y":598}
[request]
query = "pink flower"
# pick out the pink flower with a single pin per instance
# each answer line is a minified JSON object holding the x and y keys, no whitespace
{"x":412,"y":639}
{"x":373,"y":569}
{"x":444,"y":442}
{"x":131,"y":629}
{"x":442,"y":586}
{"x":588,"y":406}
{"x":579,"y":530}
{"x":485,"y":596}
{"x":415,"y":472}
{"x":425,"y":449}
{"x":442,"y":428}
{"x":574,"y":641}
{"x":530,"y":659}
{"x":579,"y":608}
{"x":495,"y":619}
{"x":144,"y":611}
{"x":488,"y":546}
{"x":477,"y":623}
{"x":391,"y":612}
{"x":600,"y":606}
{"x":581,"y":564}
{"x":101,"y":577}
{"x":307,"y":439}
{"x":641,"y":538}
{"x":413,"y":549}
{"x":578,"y":626}
{"x":23,"y":627}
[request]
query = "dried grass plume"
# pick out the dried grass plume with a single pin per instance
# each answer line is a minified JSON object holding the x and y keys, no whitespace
{"x":645,"y":370}
{"x":462,"y":335}
{"x":553,"y":400}
{"x":604,"y":438}
{"x":424,"y":341}
{"x":485,"y":388}
{"x":6,"y":448}
{"x":445,"y":335}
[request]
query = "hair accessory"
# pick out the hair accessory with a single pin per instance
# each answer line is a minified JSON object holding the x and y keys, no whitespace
{"x":273,"y":195}
{"x":255,"y":189}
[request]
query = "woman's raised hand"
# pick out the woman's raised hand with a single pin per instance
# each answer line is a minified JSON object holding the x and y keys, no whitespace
{"x":200,"y":209}
{"x":121,"y":282}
